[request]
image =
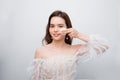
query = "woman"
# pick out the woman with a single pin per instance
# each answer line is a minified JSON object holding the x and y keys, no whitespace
{"x":57,"y":59}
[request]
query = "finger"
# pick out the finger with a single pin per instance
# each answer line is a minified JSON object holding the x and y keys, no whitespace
{"x":68,"y":30}
{"x":71,"y":36}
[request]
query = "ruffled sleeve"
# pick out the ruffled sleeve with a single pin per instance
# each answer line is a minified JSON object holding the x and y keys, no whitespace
{"x":35,"y":70}
{"x":95,"y":46}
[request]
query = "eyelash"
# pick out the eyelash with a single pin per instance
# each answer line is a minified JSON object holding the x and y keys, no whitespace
{"x":53,"y":26}
{"x":60,"y":26}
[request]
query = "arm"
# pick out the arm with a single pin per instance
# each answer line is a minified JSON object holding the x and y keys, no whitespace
{"x":98,"y":43}
{"x":36,"y":70}
{"x":94,"y":44}
{"x":36,"y":67}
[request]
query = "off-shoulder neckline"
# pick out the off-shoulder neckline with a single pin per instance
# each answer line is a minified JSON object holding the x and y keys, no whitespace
{"x":72,"y":56}
{"x":62,"y":56}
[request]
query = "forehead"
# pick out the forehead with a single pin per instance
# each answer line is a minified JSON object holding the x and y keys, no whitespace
{"x":57,"y":20}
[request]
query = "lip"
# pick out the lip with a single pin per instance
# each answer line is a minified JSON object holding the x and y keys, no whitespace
{"x":56,"y":35}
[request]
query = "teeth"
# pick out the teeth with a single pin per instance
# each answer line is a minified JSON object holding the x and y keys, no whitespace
{"x":56,"y":34}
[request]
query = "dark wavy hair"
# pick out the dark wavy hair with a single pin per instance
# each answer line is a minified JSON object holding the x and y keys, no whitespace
{"x":48,"y":38}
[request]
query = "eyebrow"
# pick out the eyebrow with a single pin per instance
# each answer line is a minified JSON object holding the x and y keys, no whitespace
{"x":57,"y":24}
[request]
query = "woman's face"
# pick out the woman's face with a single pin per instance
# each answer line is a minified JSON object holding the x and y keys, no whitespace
{"x":56,"y":25}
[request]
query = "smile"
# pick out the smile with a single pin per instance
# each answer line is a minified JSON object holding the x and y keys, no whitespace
{"x":56,"y":35}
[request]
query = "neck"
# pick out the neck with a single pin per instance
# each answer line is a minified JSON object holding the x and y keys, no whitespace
{"x":58,"y":44}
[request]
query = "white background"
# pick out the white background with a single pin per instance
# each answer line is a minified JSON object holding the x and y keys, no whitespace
{"x":23,"y":24}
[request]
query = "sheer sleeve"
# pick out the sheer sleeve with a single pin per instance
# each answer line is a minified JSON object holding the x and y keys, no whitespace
{"x":35,"y":70}
{"x":95,"y":46}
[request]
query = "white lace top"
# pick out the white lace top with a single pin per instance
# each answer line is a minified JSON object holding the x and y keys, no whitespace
{"x":64,"y":67}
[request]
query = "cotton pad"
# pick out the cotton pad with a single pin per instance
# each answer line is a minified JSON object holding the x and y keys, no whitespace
{"x":63,"y":31}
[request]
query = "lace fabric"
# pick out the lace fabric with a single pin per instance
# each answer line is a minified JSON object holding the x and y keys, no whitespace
{"x":95,"y":46}
{"x":54,"y":68}
{"x":64,"y":67}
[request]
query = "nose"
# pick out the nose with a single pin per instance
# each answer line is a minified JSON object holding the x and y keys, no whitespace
{"x":56,"y":29}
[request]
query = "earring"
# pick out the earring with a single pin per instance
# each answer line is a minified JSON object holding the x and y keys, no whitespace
{"x":67,"y":38}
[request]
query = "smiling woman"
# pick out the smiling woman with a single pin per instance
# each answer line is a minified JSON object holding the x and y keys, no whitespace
{"x":58,"y":19}
{"x":56,"y":24}
{"x":57,"y":59}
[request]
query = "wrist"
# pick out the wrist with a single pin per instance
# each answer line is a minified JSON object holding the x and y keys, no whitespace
{"x":83,"y":37}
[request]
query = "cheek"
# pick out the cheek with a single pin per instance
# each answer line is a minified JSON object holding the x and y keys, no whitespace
{"x":50,"y":31}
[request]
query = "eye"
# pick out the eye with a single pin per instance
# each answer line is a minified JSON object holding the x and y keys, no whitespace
{"x":61,"y":26}
{"x":51,"y":26}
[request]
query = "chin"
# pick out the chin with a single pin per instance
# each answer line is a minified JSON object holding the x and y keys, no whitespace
{"x":58,"y":38}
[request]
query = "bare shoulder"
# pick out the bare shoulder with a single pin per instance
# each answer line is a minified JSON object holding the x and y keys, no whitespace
{"x":79,"y":46}
{"x":39,"y":52}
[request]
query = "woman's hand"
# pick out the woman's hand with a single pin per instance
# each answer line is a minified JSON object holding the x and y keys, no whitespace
{"x":73,"y":33}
